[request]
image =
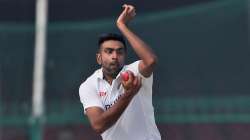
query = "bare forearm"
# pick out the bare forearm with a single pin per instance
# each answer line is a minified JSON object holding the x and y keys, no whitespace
{"x":143,"y":51}
{"x":102,"y":120}
{"x":109,"y":117}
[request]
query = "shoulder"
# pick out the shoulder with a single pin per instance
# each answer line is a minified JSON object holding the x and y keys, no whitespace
{"x":134,"y":67}
{"x":90,"y":83}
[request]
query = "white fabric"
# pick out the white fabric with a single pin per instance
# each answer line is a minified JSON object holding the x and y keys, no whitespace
{"x":137,"y":121}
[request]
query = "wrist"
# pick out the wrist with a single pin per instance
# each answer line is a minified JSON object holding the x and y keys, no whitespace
{"x":120,"y":25}
{"x":127,"y":95}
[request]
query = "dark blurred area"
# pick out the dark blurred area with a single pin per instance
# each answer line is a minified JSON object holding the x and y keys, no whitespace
{"x":83,"y":10}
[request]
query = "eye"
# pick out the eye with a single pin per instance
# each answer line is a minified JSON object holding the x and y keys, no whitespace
{"x":108,"y":51}
{"x":120,"y":51}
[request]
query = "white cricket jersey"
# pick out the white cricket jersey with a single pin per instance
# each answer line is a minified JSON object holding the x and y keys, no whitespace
{"x":137,"y":122}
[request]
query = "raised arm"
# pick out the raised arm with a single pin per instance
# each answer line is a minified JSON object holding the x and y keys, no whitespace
{"x":143,"y":51}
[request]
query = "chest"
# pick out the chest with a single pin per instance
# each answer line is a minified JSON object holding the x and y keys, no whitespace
{"x":109,"y":93}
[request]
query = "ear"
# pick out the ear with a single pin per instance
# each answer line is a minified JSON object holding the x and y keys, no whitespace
{"x":98,"y":58}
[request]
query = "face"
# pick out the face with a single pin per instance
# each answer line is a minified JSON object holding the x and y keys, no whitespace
{"x":111,"y":57}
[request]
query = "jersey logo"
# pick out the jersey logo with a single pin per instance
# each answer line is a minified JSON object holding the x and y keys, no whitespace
{"x":102,"y":93}
{"x":110,"y":105}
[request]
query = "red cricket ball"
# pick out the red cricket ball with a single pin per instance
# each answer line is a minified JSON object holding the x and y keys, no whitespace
{"x":125,"y":76}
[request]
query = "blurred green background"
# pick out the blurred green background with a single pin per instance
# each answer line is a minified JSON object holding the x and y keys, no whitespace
{"x":201,"y":85}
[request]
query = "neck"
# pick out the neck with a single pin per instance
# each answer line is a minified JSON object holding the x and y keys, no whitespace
{"x":109,"y":76}
{"x":109,"y":79}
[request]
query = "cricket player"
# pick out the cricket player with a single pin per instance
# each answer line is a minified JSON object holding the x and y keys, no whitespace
{"x":121,"y":108}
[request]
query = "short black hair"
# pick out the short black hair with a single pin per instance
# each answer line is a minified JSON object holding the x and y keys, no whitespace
{"x":111,"y":36}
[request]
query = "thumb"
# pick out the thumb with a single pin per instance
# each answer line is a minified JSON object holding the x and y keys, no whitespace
{"x":125,"y":8}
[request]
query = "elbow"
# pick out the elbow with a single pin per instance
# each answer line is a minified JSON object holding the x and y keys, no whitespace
{"x":99,"y":129}
{"x":152,"y":61}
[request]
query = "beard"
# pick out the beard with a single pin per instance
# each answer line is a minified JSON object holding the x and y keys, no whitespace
{"x":112,"y":69}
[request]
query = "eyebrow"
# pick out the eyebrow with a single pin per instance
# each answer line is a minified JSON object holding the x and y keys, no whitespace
{"x":119,"y":49}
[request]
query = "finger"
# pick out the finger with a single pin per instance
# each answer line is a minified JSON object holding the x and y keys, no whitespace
{"x":125,"y":8}
{"x":131,"y":8}
{"x":131,"y":77}
{"x":133,"y":14}
{"x":136,"y":80}
{"x":123,"y":82}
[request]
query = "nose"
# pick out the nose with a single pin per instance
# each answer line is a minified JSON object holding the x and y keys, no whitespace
{"x":114,"y":55}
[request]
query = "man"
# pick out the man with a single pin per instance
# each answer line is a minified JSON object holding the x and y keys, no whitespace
{"x":119,"y":109}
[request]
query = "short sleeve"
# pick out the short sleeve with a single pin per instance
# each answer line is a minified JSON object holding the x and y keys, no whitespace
{"x":89,"y":97}
{"x":147,"y":82}
{"x":134,"y":67}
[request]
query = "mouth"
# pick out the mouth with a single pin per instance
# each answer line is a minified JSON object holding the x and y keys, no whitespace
{"x":114,"y":64}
